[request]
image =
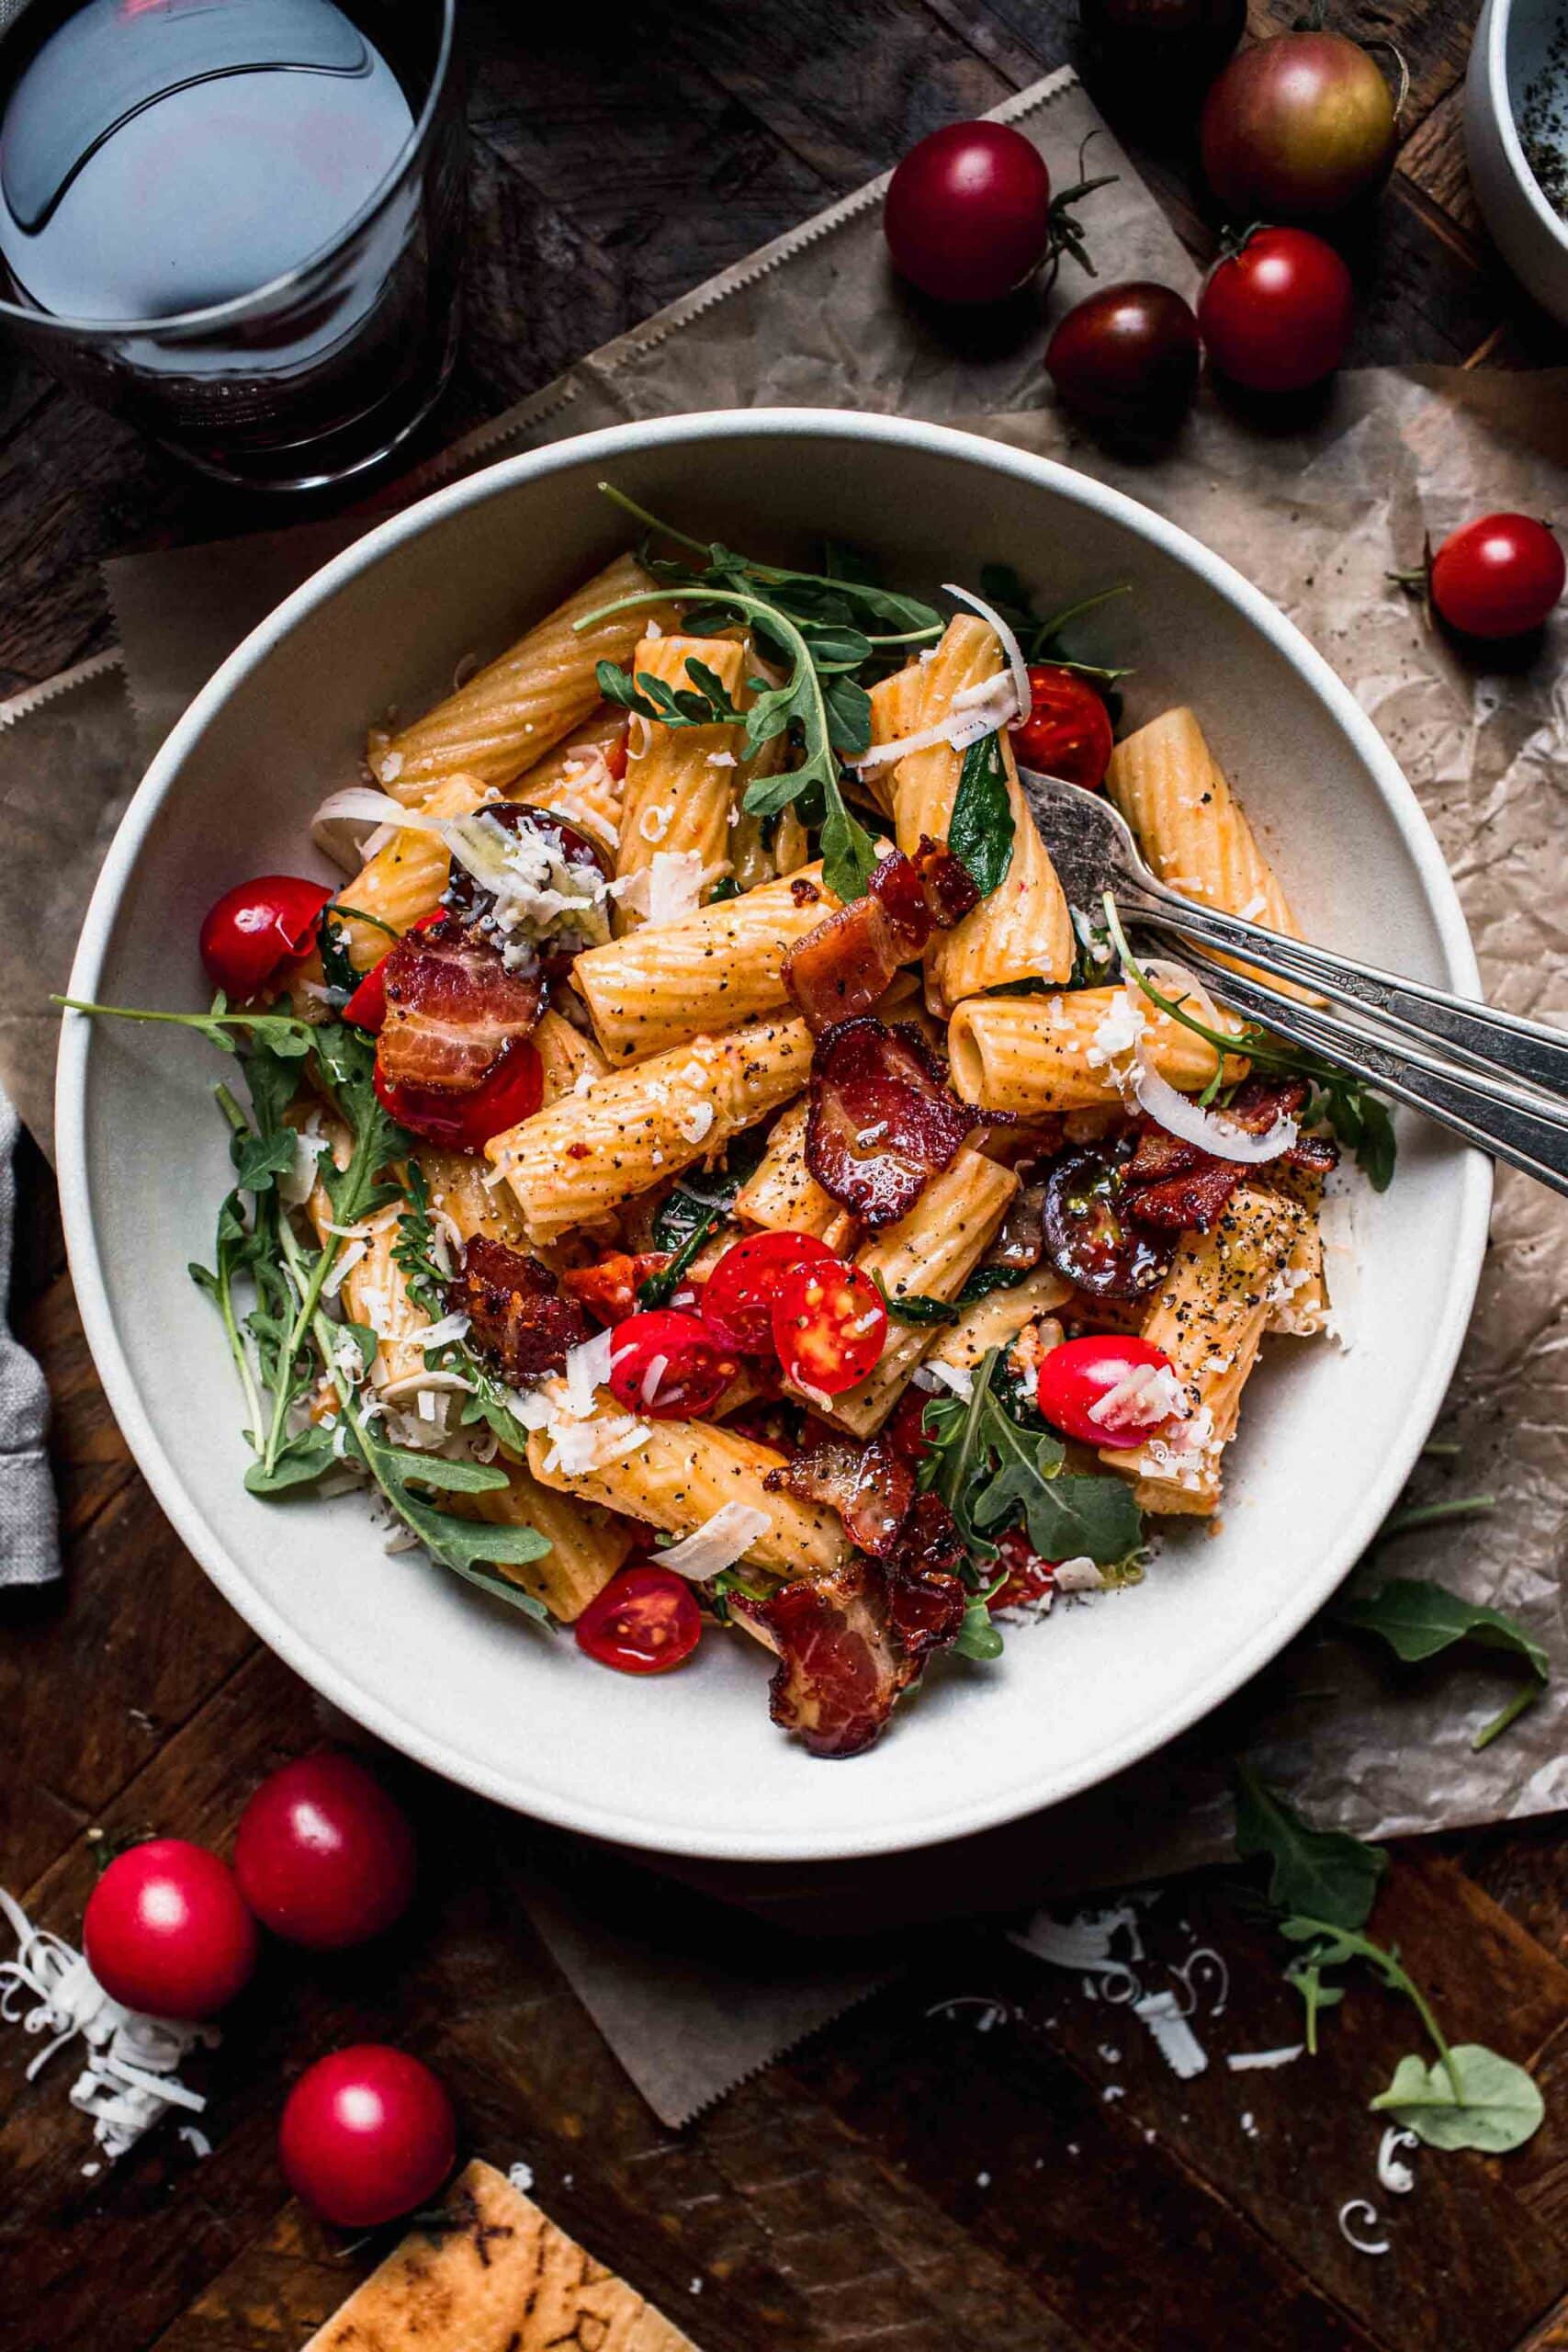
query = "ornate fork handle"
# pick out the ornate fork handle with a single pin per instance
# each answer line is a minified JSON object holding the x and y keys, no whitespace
{"x":1501,"y":1041}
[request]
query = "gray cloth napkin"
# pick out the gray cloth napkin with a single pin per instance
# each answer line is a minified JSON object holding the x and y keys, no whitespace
{"x":29,"y":1532}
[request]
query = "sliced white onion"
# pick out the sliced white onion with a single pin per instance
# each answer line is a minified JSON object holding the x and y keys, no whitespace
{"x":1209,"y":1130}
{"x":362,"y":804}
{"x":718,"y":1543}
{"x":1017,"y":665}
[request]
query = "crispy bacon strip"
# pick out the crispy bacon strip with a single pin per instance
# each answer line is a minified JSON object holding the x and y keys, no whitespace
{"x":926,"y":1599}
{"x":881,"y":1122}
{"x":452,"y":1010}
{"x":951,"y":890}
{"x":1180,"y":1188}
{"x":609,"y":1289}
{"x":845,"y":966}
{"x":515,"y":1314}
{"x":839,"y":1670}
{"x":868,"y":1485}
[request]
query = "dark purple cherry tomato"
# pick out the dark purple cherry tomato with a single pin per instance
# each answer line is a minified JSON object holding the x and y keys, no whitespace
{"x":1161,"y":49}
{"x":1277,"y":315}
{"x":1088,"y":1239}
{"x":968,"y":212}
{"x":1297,"y":128}
{"x":1498,"y":577}
{"x":1127,"y":356}
{"x":466,"y":895}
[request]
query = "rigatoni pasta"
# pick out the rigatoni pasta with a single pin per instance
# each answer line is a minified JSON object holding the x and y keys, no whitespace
{"x":711,"y":1192}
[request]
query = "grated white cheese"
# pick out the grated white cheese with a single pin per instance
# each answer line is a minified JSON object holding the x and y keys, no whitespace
{"x":1394,"y":2174}
{"x":587,"y":1371}
{"x":693,"y":1123}
{"x":1246,"y":2062}
{"x":1079,"y":1575}
{"x":295,"y":1185}
{"x":578,"y":1448}
{"x":1145,"y":1396}
{"x":718,"y":1543}
{"x":129,"y":2081}
{"x":951,"y":1375}
{"x":669,"y":886}
{"x":1357,"y":2212}
{"x":1173,"y":2036}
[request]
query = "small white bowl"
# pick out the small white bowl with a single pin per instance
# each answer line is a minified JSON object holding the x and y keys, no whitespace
{"x":1507,"y":54}
{"x":689,"y":1764}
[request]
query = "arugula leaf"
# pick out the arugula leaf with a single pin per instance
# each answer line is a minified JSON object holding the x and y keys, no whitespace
{"x":1082,"y":1516}
{"x":1419,"y":1619}
{"x":1325,"y":1873}
{"x":686,"y":1219}
{"x":980,"y":833}
{"x":1497,"y":2107}
{"x":913,"y":1306}
{"x":985,"y":1279}
{"x":258,"y":1159}
{"x":337,"y":968}
{"x":1038,"y":639}
{"x":705,"y":703}
{"x":285,"y":1034}
{"x":979,"y":1637}
{"x":990,"y":1470}
{"x":300,"y":1463}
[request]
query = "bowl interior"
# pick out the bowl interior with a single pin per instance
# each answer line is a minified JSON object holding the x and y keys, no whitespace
{"x":1535,"y":58}
{"x":692,"y":1764}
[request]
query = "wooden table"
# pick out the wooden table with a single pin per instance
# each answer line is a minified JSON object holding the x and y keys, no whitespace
{"x":907,"y":2180}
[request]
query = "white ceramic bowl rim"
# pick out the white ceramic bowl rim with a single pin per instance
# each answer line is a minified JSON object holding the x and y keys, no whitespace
{"x":962,"y":1816}
{"x":1500,"y":99}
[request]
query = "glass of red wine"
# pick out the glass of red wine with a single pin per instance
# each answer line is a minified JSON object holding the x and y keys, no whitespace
{"x":238,"y":223}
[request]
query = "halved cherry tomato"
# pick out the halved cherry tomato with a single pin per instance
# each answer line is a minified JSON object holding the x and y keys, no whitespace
{"x":1080,"y":1373}
{"x":644,"y":1622}
{"x":255,"y":927}
{"x":367,"y":1007}
{"x":829,"y":1326}
{"x":1067,"y":732}
{"x":1029,"y":1577}
{"x":907,"y":1430}
{"x":668,"y":1366}
{"x":513,"y":1089}
{"x":737,"y":1301}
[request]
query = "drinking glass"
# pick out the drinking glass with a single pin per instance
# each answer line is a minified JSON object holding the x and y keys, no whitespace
{"x":321,"y":371}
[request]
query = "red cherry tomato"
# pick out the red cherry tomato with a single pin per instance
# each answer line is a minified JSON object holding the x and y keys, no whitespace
{"x":322,"y":1855}
{"x":1277,"y":315}
{"x":968,"y":212}
{"x":1079,"y":1372}
{"x":513,"y":1089}
{"x":829,"y":1326}
{"x":255,"y":927}
{"x":166,"y":1931}
{"x":1498,"y":577}
{"x":668,"y":1366}
{"x":1029,"y":1577}
{"x":1067,"y":732}
{"x":644,"y":1622}
{"x":738,"y":1299}
{"x":366,"y":2133}
{"x":367,"y":1007}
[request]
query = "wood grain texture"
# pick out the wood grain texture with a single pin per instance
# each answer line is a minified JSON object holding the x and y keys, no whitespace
{"x":909,"y":2181}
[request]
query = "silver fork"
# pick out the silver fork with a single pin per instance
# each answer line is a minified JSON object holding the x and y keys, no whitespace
{"x":1499,"y":1081}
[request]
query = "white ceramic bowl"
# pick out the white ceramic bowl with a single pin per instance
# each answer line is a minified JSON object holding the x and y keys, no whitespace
{"x":1507,"y":54}
{"x":691,"y":1765}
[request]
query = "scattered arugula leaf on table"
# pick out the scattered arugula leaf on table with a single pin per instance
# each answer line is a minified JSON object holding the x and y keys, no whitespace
{"x":1322,"y":1888}
{"x":1419,"y":1619}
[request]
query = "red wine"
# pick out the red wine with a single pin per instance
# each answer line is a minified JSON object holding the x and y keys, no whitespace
{"x":160,"y":157}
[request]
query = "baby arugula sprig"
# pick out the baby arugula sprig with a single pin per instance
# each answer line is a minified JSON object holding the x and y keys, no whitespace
{"x":286,"y":1342}
{"x":823,"y":629}
{"x":1322,"y":1887}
